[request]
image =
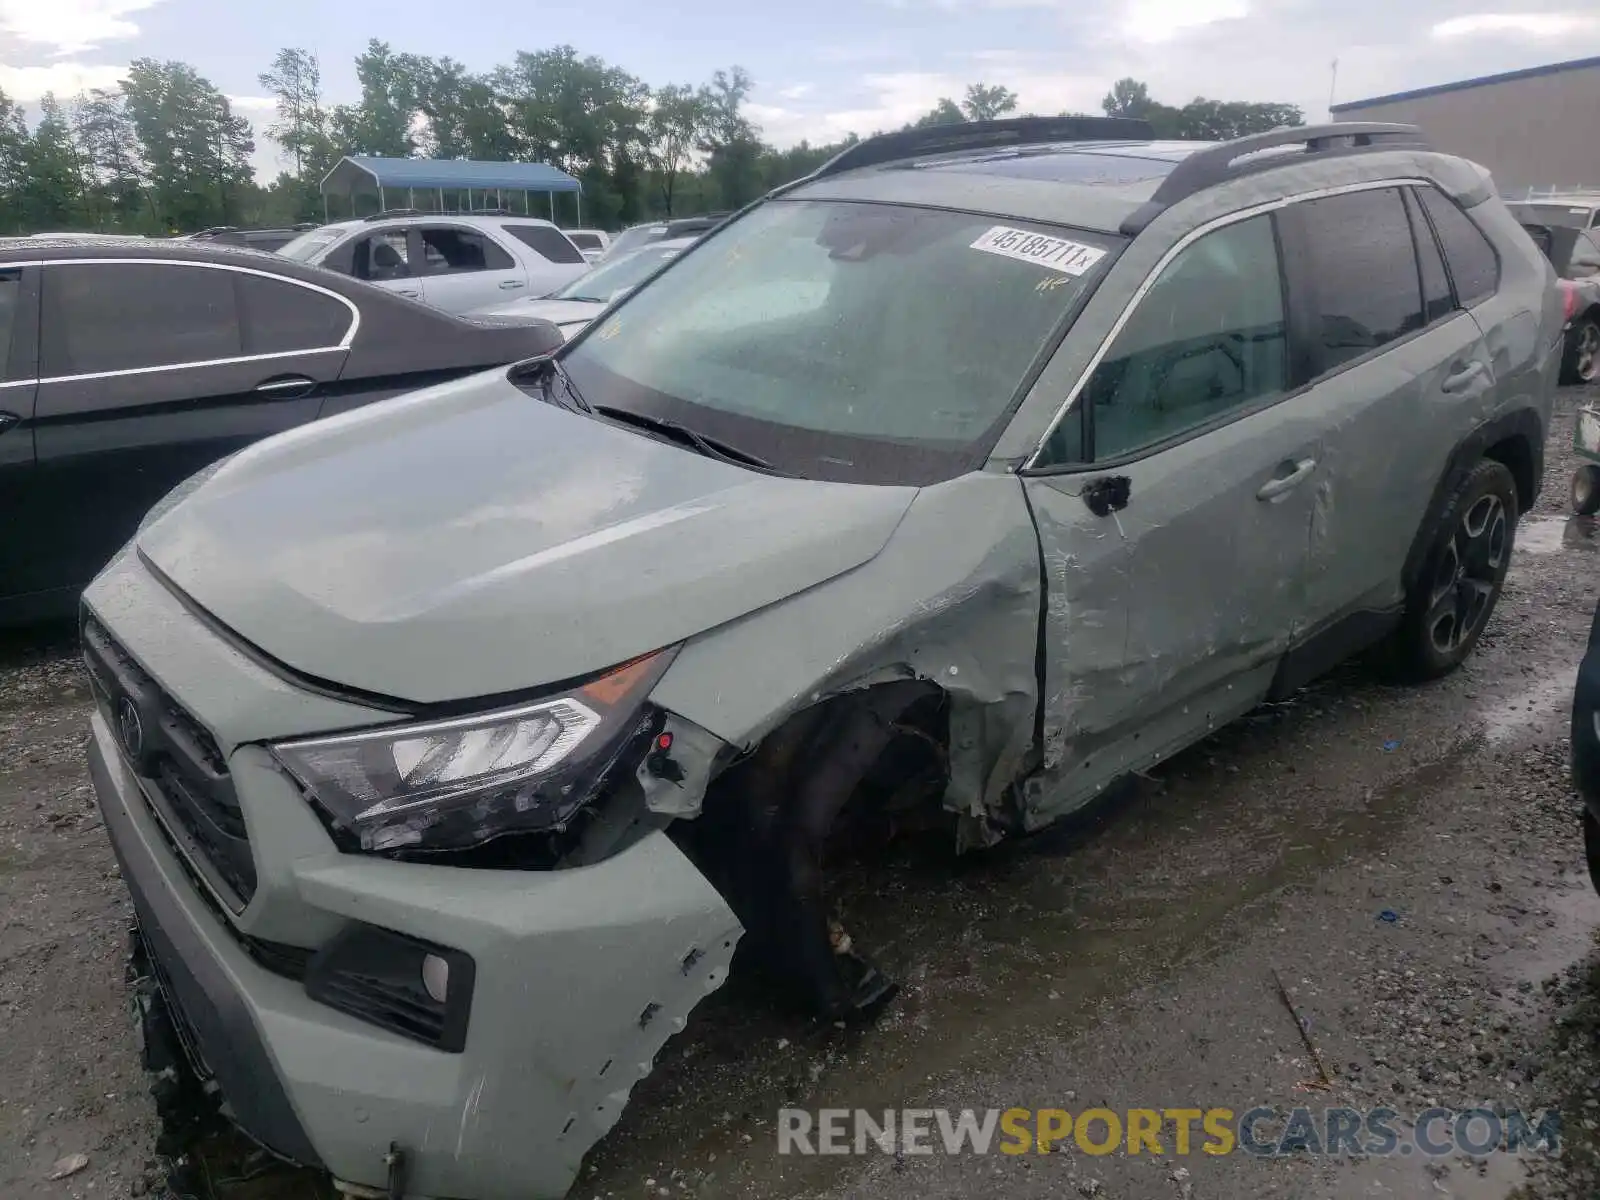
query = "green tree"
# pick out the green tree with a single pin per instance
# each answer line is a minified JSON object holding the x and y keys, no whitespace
{"x":986,"y":103}
{"x":730,"y":143}
{"x":13,"y":164}
{"x":381,"y":123}
{"x":52,"y":184}
{"x":109,"y":156}
{"x":1221,"y":120}
{"x":303,"y":124}
{"x":946,"y":112}
{"x":196,"y":152}
{"x":677,"y":121}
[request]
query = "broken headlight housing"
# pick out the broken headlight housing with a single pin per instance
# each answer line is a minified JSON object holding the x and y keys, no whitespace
{"x":458,"y":782}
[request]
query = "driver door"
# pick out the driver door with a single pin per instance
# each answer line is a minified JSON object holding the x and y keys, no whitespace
{"x":1166,"y":616}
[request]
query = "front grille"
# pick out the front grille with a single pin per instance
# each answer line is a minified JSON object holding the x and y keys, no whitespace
{"x":179,"y":764}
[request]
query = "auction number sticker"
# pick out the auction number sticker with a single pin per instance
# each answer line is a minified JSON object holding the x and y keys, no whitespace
{"x":1058,"y":254}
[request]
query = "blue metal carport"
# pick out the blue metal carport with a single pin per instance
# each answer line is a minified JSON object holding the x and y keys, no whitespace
{"x":358,"y":175}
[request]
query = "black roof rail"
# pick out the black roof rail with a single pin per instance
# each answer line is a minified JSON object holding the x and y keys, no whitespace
{"x":983,"y":135}
{"x":394,"y":212}
{"x":301,"y":226}
{"x":1218,"y":164}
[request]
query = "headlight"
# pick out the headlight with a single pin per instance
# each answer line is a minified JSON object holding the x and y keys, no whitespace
{"x":458,"y":782}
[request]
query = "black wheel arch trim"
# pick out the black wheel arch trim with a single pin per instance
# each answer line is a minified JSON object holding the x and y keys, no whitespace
{"x":1523,"y":423}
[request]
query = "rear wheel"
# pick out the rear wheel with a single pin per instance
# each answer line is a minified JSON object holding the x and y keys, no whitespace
{"x":1581,"y":361}
{"x":1586,"y":490}
{"x":1461,"y":578}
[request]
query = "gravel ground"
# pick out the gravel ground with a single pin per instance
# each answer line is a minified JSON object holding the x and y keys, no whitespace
{"x":1127,"y":961}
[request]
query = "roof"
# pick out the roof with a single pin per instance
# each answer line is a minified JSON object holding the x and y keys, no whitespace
{"x":359,"y":172}
{"x":1576,"y":64}
{"x":32,"y":249}
{"x":1090,"y":185}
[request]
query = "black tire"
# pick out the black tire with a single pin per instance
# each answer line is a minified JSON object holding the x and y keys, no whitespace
{"x":1586,"y":490}
{"x":1591,"y":847}
{"x":1462,"y":574}
{"x":1580,"y":356}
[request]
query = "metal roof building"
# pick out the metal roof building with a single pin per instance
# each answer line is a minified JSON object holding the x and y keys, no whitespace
{"x":1534,"y":129}
{"x":385,"y":178}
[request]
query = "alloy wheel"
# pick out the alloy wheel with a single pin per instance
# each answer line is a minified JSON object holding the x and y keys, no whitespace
{"x":1588,"y":357}
{"x":1468,"y":574}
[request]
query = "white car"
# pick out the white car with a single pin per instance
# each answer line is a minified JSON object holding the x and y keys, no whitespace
{"x":593,"y":242}
{"x":582,"y":300}
{"x":454,"y":262}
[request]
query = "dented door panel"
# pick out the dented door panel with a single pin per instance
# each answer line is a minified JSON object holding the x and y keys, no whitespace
{"x":1175,"y":603}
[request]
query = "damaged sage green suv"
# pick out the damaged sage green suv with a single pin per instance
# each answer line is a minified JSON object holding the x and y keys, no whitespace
{"x":450,"y":746}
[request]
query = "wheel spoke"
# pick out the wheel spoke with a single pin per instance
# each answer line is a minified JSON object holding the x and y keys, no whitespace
{"x":1443,"y":621}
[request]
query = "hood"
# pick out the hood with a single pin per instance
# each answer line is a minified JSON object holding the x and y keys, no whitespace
{"x":471,"y":539}
{"x":557,"y":312}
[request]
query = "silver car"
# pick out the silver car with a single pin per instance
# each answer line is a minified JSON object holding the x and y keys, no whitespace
{"x":571,"y":308}
{"x":450,"y":746}
{"x":457,"y":262}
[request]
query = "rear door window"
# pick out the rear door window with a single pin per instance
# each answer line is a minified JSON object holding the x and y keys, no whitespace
{"x":548,"y":242}
{"x":123,"y":316}
{"x":1363,"y":273}
{"x":449,"y":251}
{"x":1474,"y":268}
{"x":280,"y":317}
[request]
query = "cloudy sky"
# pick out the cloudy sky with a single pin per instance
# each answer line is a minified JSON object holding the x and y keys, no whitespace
{"x":826,"y":67}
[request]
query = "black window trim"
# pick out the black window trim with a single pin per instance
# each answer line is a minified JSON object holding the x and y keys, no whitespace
{"x":1438,"y":239}
{"x":1296,"y":315}
{"x":344,"y":343}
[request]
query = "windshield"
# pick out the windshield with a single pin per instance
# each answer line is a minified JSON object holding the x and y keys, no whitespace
{"x":862,"y":342}
{"x":632,"y":239}
{"x":606,"y":280}
{"x":309,"y":244}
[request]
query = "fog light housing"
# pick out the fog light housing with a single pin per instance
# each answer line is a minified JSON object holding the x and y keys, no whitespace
{"x":400,"y":983}
{"x":436,"y":977}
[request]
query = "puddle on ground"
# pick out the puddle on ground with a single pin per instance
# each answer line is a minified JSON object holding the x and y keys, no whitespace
{"x":1514,"y":714}
{"x":1547,"y":535}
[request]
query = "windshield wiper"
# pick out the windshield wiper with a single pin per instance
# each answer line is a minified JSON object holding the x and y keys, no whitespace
{"x":547,"y":371}
{"x":709,"y":446}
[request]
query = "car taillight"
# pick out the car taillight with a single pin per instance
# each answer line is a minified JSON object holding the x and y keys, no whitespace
{"x":1569,"y":300}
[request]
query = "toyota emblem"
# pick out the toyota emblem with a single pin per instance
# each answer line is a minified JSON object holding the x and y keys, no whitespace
{"x":130,"y":728}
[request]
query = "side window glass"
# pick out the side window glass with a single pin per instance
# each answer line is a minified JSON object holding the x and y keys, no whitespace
{"x":1474,"y":269}
{"x":1585,"y":259}
{"x":547,"y":241}
{"x":10,"y":297}
{"x":1363,"y":272}
{"x":1436,"y":301}
{"x":1207,"y":339}
{"x":453,"y":251}
{"x":280,"y":317}
{"x":383,"y":256}
{"x":584,"y":241}
{"x":119,"y":316}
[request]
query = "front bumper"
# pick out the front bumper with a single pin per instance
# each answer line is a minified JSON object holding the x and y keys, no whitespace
{"x":581,"y":975}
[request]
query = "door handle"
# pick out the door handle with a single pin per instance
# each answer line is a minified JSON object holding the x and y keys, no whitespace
{"x":1461,"y":375}
{"x":508,"y":284}
{"x":288,"y":387}
{"x":1282,"y":485}
{"x":407,"y":293}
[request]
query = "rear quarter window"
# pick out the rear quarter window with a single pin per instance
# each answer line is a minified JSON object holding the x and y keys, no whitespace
{"x":550,"y":243}
{"x":1469,"y":255}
